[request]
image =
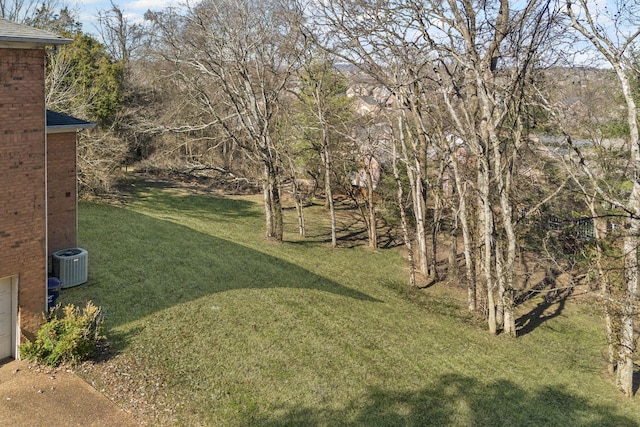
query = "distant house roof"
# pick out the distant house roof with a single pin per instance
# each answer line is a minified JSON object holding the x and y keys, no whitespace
{"x":12,"y":32}
{"x":59,"y":123}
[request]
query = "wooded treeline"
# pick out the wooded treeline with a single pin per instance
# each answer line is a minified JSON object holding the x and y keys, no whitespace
{"x":453,"y":119}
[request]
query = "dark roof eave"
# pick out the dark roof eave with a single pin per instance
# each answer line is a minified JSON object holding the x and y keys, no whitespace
{"x":35,"y":40}
{"x":60,"y":122}
{"x":69,"y":128}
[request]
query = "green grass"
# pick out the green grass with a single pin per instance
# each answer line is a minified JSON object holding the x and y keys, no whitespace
{"x":213,"y":325}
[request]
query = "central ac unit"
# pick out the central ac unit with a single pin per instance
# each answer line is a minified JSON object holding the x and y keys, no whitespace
{"x":71,"y":266}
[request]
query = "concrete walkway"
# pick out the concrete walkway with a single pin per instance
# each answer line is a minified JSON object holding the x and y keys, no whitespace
{"x":58,"y":398}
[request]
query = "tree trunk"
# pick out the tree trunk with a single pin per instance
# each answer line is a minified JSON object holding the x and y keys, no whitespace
{"x":500,"y":284}
{"x":299,"y":208}
{"x":415,"y":181}
{"x":605,"y":293}
{"x":273,"y":205}
{"x":452,"y":269}
{"x":373,"y":232}
{"x":630,"y":246}
{"x":485,"y":221}
{"x":403,"y":215}
{"x":435,"y":229}
{"x":277,"y":209}
{"x":417,"y":190}
{"x":268,"y":208}
{"x":629,"y":300}
{"x":466,"y":236}
{"x":297,"y":199}
{"x":505,"y":276}
{"x":326,"y":159}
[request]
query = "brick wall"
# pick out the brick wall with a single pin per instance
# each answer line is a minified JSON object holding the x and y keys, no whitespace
{"x":61,"y":190}
{"x":22,"y":177}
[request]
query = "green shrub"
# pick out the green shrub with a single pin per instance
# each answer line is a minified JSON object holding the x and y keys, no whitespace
{"x":71,"y":338}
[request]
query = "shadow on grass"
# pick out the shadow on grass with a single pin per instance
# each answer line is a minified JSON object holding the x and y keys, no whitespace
{"x":351,"y":232}
{"x":139,"y":265}
{"x":194,"y":205}
{"x":552,"y":304}
{"x":544,"y":311}
{"x":456,"y":400}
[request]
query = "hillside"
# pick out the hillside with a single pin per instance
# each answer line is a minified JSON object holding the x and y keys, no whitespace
{"x":212,"y":325}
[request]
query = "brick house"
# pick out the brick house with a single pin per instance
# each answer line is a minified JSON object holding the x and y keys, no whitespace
{"x":62,"y":200}
{"x":38,"y":196}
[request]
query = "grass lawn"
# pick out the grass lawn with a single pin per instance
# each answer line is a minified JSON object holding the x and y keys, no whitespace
{"x":213,"y":325}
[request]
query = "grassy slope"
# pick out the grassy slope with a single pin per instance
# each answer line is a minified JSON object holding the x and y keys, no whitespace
{"x":215,"y":326}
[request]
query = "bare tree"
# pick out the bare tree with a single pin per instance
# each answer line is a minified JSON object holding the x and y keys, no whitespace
{"x":376,"y":38}
{"x":477,"y":56}
{"x":325,"y":116}
{"x":27,"y":11}
{"x":406,"y":235}
{"x":123,"y":39}
{"x":484,"y":62}
{"x":236,"y":59}
{"x":612,"y":33}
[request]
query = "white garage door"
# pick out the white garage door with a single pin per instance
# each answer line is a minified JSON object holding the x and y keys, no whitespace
{"x":6,"y":318}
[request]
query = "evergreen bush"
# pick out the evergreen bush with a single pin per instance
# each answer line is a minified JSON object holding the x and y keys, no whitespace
{"x":70,"y":338}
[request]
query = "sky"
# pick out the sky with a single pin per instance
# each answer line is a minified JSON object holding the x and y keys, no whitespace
{"x":133,"y":9}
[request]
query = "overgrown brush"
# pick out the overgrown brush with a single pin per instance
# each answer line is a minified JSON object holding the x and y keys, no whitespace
{"x":70,"y":338}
